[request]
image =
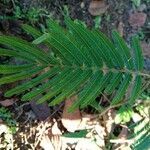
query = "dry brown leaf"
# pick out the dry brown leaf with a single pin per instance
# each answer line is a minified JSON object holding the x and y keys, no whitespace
{"x":96,"y":132}
{"x":7,"y":102}
{"x":41,"y":111}
{"x":120,"y":28}
{"x":99,"y":141}
{"x":87,"y":144}
{"x":1,"y":94}
{"x":109,"y":120}
{"x":100,"y":130}
{"x":41,"y":131}
{"x":100,"y":135}
{"x":137,"y":19}
{"x":146,"y":49}
{"x":55,"y":129}
{"x":46,"y":144}
{"x":123,"y":134}
{"x":122,"y":137}
{"x":1,"y":121}
{"x":136,"y":117}
{"x":4,"y":129}
{"x":57,"y":142}
{"x":87,"y":122}
{"x":71,"y":121}
{"x":97,"y":8}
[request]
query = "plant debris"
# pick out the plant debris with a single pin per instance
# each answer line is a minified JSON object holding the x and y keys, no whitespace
{"x":97,"y":7}
{"x":137,"y":19}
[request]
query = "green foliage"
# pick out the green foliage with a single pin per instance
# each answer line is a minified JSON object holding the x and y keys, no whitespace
{"x":30,"y":14}
{"x":140,"y":131}
{"x":80,"y":134}
{"x":34,"y":14}
{"x":18,"y":12}
{"x":124,"y":115}
{"x":136,"y":3}
{"x":6,"y":116}
{"x":140,"y":135}
{"x":79,"y":62}
{"x":97,"y":22}
{"x":143,"y":109}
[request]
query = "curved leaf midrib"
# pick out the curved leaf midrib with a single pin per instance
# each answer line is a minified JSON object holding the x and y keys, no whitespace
{"x":104,"y":69}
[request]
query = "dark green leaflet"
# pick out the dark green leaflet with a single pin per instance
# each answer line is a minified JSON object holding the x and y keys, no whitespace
{"x":138,"y":57}
{"x":22,"y":55}
{"x":122,"y":89}
{"x":87,"y":90}
{"x":32,"y":83}
{"x":114,"y":82}
{"x":94,"y":93}
{"x":70,"y":89}
{"x":57,"y":88}
{"x":136,"y":89}
{"x":21,"y":45}
{"x":20,"y":76}
{"x":45,"y":86}
{"x":9,"y":69}
{"x":124,"y":50}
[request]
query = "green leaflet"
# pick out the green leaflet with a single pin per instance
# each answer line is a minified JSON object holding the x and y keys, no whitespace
{"x":80,"y":134}
{"x":8,"y":69}
{"x":141,"y":135}
{"x":22,"y":45}
{"x":67,"y":48}
{"x":103,"y":49}
{"x":41,"y":39}
{"x":124,"y":114}
{"x":90,"y":43}
{"x":83,"y":60}
{"x":59,"y":52}
{"x":34,"y":32}
{"x":71,"y":88}
{"x":96,"y":106}
{"x":46,"y":86}
{"x":20,"y":76}
{"x":54,"y":26}
{"x":110,"y":54}
{"x":124,"y":50}
{"x":122,"y":89}
{"x":98,"y":89}
{"x":32,"y":83}
{"x":80,"y":33}
{"x":114,"y":82}
{"x":138,"y":57}
{"x":136,"y":89}
{"x":58,"y":87}
{"x":76,"y":50}
{"x":88,"y":89}
{"x":22,"y":55}
{"x":142,"y":143}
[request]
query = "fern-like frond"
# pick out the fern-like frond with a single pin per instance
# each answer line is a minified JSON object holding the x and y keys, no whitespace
{"x":79,"y":62}
{"x":140,"y":135}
